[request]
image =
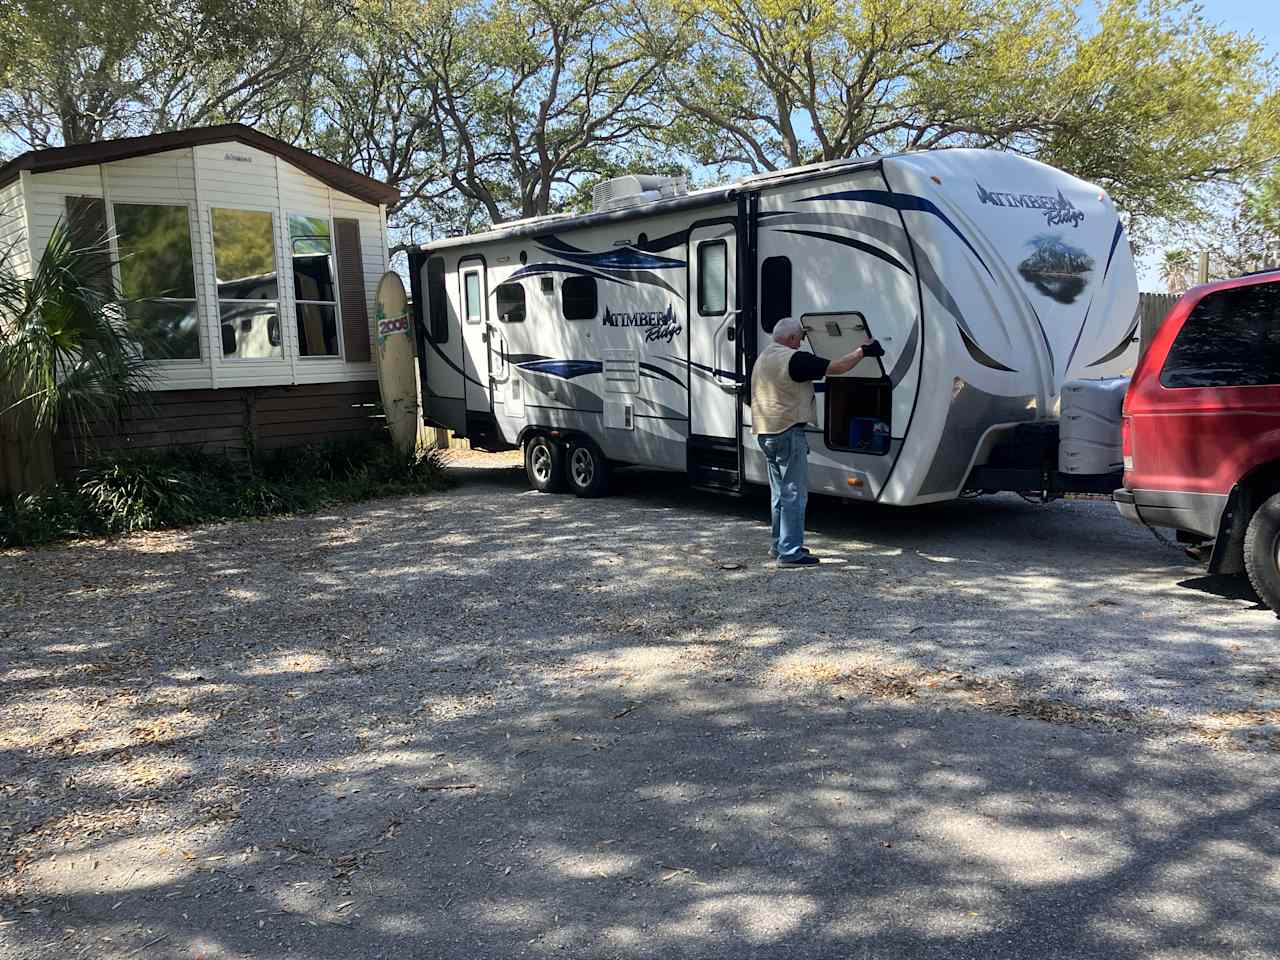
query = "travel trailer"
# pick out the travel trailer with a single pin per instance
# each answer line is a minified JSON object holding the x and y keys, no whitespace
{"x":627,"y":335}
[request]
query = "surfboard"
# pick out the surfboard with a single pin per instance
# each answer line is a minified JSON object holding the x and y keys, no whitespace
{"x":397,"y":368}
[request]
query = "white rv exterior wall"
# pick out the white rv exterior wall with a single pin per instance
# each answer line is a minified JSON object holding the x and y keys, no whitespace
{"x":240,"y":177}
{"x":13,"y":229}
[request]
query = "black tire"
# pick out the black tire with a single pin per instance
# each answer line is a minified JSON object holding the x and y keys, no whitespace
{"x":1262,"y":552}
{"x":586,"y":469}
{"x":544,"y":464}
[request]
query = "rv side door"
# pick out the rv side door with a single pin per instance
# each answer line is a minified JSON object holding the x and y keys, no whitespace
{"x":714,"y":381}
{"x":475,"y":333}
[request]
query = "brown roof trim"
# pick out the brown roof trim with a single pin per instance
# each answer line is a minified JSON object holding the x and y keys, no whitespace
{"x":106,"y":151}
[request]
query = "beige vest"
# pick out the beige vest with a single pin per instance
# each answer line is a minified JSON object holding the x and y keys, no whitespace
{"x":777,"y":401}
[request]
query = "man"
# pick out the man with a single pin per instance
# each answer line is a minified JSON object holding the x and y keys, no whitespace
{"x":782,"y":403}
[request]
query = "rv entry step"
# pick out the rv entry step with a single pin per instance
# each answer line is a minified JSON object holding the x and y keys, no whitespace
{"x":714,"y":463}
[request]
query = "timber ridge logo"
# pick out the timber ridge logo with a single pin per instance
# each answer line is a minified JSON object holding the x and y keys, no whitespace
{"x":1058,"y":211}
{"x":660,"y":326}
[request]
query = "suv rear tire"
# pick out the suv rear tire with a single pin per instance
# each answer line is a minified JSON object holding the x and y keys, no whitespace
{"x":1262,"y":551}
{"x":544,"y":464}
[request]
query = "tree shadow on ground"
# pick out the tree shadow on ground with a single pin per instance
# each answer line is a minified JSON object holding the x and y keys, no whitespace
{"x":493,"y":724}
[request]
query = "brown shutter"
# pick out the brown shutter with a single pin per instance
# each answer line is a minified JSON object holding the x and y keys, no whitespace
{"x":87,"y":228}
{"x":355,"y":313}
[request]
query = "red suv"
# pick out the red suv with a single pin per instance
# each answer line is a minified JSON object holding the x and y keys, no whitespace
{"x":1201,"y":430}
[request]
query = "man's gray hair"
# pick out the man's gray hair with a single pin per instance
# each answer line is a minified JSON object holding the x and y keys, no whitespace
{"x":786,"y":328}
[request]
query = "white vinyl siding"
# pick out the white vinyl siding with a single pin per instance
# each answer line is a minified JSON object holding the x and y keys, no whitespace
{"x":13,"y":229}
{"x":211,"y":176}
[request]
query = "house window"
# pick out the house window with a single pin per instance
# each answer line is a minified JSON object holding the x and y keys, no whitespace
{"x":157,"y":279}
{"x":510,"y":297}
{"x":311,"y":247}
{"x":578,"y":298}
{"x":775,"y":291}
{"x":713,"y":280}
{"x":471,"y":295}
{"x":437,"y":302}
{"x":244,"y":260}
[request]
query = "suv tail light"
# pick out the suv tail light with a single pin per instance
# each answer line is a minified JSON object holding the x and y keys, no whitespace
{"x":1126,"y":445}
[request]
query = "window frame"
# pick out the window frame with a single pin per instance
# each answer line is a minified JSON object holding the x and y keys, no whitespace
{"x":476,"y":271}
{"x":595,"y":297}
{"x":1262,"y":348}
{"x":284,"y":356}
{"x":336,"y":303}
{"x":723,"y":244}
{"x":524,"y":301}
{"x":118,"y":277}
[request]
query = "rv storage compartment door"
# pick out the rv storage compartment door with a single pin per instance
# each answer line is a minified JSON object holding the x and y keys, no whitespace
{"x":858,"y":410}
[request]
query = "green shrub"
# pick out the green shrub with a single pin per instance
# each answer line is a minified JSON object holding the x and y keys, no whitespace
{"x":142,"y":493}
{"x":154,"y":491}
{"x":30,"y":519}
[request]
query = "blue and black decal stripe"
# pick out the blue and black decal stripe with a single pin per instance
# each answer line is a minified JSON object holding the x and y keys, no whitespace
{"x":627,"y":258}
{"x":855,"y":244}
{"x":902,"y":202}
{"x":536,"y":269}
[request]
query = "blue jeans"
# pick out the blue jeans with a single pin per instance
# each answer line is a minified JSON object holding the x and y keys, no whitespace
{"x":787,"y":454}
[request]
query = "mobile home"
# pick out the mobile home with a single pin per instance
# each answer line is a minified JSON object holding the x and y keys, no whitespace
{"x":249,"y":266}
{"x":627,"y":335}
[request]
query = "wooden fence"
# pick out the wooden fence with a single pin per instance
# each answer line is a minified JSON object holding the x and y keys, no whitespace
{"x":1152,"y":309}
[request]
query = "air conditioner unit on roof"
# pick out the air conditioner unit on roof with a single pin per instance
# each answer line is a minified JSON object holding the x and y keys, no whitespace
{"x":635,"y":189}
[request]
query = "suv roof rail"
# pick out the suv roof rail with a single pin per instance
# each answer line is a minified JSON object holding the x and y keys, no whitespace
{"x":1255,"y":273}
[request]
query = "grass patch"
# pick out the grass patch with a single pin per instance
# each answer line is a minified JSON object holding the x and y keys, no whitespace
{"x":125,"y":494}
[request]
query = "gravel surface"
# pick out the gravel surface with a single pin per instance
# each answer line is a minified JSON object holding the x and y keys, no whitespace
{"x":495,"y":723}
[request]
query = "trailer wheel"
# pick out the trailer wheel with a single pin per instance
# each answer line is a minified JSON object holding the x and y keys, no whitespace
{"x":1262,"y":551}
{"x":587,"y":470}
{"x":544,"y":464}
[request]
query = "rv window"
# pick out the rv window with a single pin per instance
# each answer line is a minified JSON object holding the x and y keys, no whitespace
{"x":244,"y":263}
{"x":474,"y":308}
{"x":1229,"y":340}
{"x":775,"y":291}
{"x":437,"y":305}
{"x":510,"y":298}
{"x":578,"y":298}
{"x":157,"y":279}
{"x":713,"y":264}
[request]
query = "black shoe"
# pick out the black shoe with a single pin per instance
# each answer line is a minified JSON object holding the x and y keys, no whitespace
{"x":773,"y":554}
{"x":801,"y":560}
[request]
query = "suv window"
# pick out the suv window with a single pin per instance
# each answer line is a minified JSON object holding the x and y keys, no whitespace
{"x":1231,"y":339}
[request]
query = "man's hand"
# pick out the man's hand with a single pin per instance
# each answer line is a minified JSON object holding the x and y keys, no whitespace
{"x":846,"y":363}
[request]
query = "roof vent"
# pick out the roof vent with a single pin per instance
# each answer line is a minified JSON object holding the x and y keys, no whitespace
{"x":635,"y":189}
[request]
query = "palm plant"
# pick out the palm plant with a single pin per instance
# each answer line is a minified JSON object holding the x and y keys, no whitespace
{"x":66,"y":355}
{"x":1177,"y":270}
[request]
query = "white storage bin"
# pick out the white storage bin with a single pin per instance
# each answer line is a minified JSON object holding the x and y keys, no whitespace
{"x":1089,"y":426}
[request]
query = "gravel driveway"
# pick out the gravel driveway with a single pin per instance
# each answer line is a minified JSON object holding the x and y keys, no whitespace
{"x":494,"y":723}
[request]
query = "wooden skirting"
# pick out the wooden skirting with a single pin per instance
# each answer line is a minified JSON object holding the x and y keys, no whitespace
{"x":233,"y":421}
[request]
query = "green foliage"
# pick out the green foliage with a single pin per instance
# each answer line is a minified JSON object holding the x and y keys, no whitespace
{"x":65,"y":354}
{"x":150,"y":492}
{"x":75,"y":71}
{"x":1151,"y":101}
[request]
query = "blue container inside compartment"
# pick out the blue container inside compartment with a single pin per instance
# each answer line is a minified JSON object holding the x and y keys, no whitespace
{"x":868,"y":435}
